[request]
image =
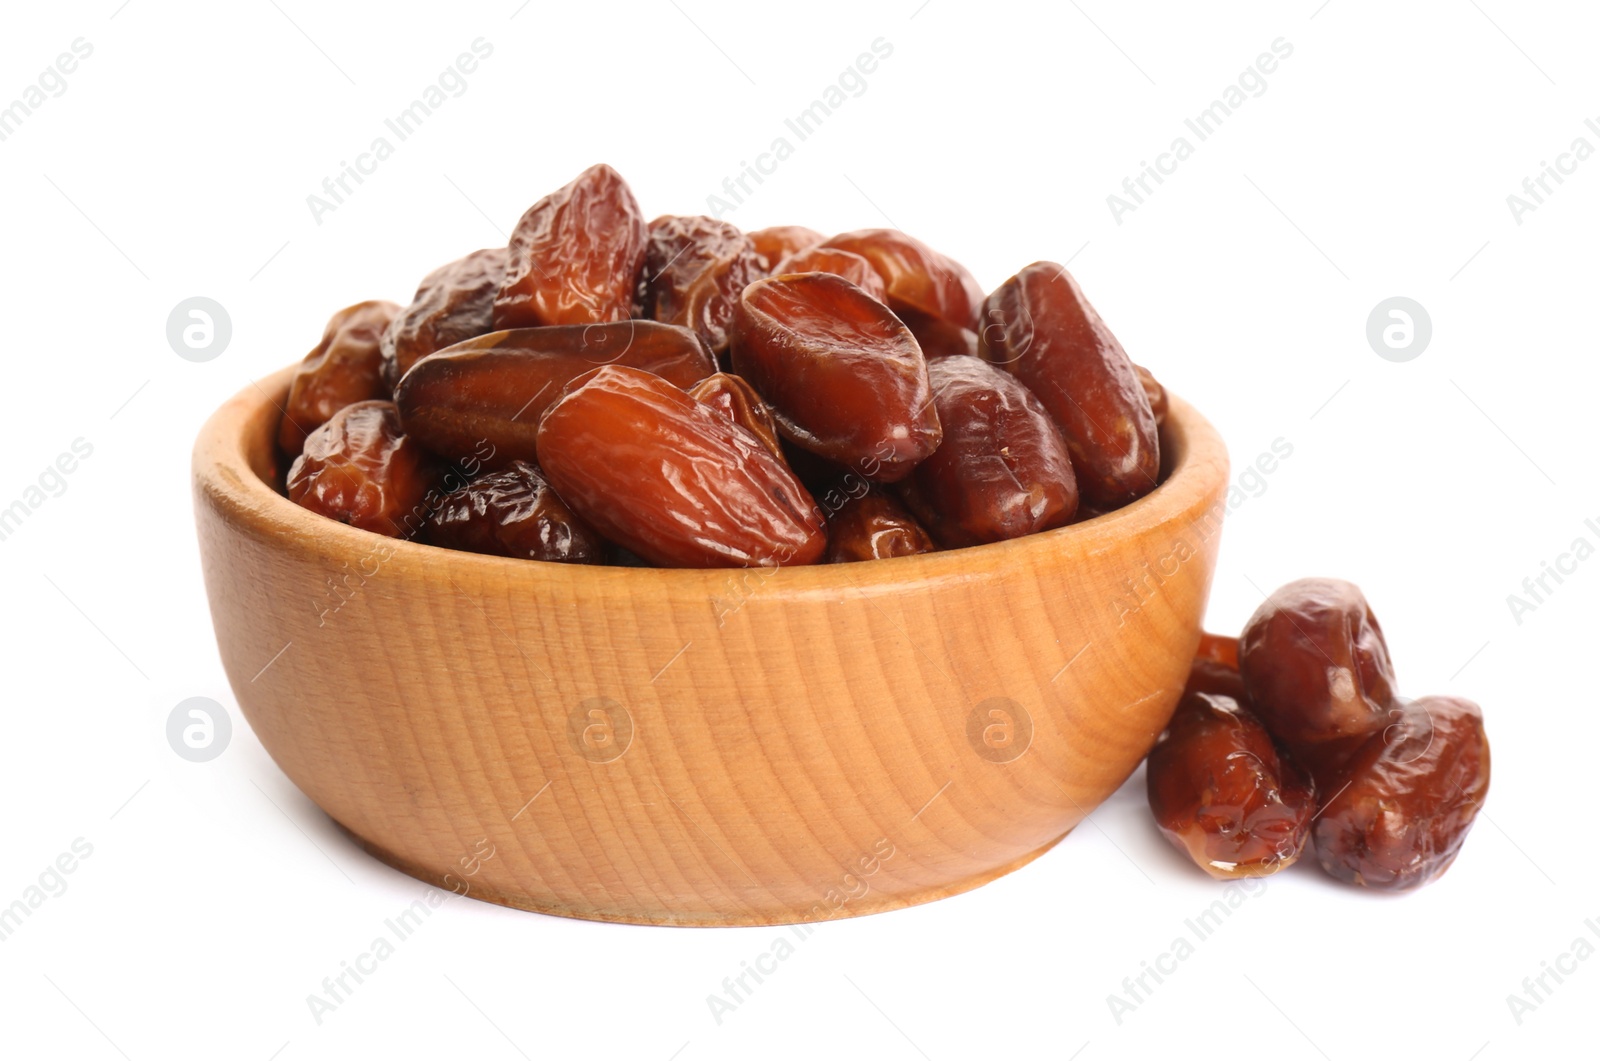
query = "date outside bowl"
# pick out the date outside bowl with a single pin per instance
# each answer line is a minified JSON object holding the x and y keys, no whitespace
{"x":703,"y":747}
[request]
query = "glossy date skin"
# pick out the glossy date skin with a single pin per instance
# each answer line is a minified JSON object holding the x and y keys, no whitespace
{"x":874,"y":526}
{"x":853,"y":267}
{"x":1224,"y":795}
{"x":1400,"y":809}
{"x":1002,"y":471}
{"x":778,"y":242}
{"x":1318,"y":671}
{"x":915,"y":275}
{"x":453,"y":303}
{"x":514,"y":512}
{"x":575,"y":257}
{"x":673,"y":480}
{"x":845,"y":379}
{"x":1039,"y":327}
{"x":495,"y":387}
{"x":694,"y":269}
{"x":342,"y":369}
{"x":1215,"y":669}
{"x":734,"y":398}
{"x":359,"y":468}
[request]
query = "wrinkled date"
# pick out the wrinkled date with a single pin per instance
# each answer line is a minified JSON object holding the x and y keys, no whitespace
{"x":777,"y":243}
{"x":575,"y":257}
{"x":672,"y":479}
{"x":694,"y":269}
{"x":514,"y":513}
{"x":1154,"y":393}
{"x":454,"y":302}
{"x":845,"y":379}
{"x":1002,"y":471}
{"x":1039,"y":327}
{"x":1223,"y":795}
{"x":734,"y":398}
{"x":874,"y":526}
{"x":1404,"y":803}
{"x":1317,"y":668}
{"x":360,"y":469}
{"x":496,"y":387}
{"x":853,"y":267}
{"x":343,"y":368}
{"x":826,"y":368}
{"x":915,"y":275}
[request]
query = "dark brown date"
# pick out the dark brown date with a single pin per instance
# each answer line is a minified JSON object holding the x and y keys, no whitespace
{"x":1317,"y":668}
{"x":360,"y":469}
{"x":845,"y":379}
{"x":939,"y":338}
{"x":1223,"y":794}
{"x":342,"y":369}
{"x":514,"y":512}
{"x":1002,"y":470}
{"x":454,"y":302}
{"x":672,"y":479}
{"x":575,"y":257}
{"x":734,"y":398}
{"x":1154,"y":393}
{"x":853,"y":267}
{"x":1039,"y":327}
{"x":874,"y":526}
{"x":777,"y":243}
{"x":1401,"y":807}
{"x":694,"y":269}
{"x":915,"y":275}
{"x":495,"y":388}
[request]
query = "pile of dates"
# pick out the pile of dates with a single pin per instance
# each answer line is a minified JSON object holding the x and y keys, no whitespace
{"x":679,"y":393}
{"x":1293,"y":734}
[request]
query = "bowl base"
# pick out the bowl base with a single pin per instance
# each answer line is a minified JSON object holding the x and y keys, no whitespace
{"x":869,"y":904}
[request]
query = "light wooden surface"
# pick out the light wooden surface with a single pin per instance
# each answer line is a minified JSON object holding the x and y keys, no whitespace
{"x":799,"y":745}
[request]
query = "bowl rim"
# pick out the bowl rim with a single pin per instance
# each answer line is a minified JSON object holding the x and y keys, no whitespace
{"x":227,"y":479}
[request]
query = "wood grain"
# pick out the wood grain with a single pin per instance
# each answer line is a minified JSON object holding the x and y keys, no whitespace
{"x":785,"y":746}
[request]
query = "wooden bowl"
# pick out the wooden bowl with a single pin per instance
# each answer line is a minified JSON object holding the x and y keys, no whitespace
{"x":691,"y":747}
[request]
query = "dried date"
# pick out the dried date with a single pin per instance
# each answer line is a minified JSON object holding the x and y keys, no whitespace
{"x":845,"y":379}
{"x":694,"y":269}
{"x":778,"y":242}
{"x":453,"y":303}
{"x":360,"y":468}
{"x":1154,"y":393}
{"x":1222,"y":792}
{"x":495,"y":388}
{"x":1039,"y":327}
{"x":1404,"y":803}
{"x":853,"y":267}
{"x":1216,"y":669}
{"x":575,"y":257}
{"x":915,"y":275}
{"x":874,"y":526}
{"x":673,"y":480}
{"x":1002,"y":471}
{"x":514,"y":512}
{"x":1318,"y":671}
{"x":733,"y":397}
{"x":344,"y":368}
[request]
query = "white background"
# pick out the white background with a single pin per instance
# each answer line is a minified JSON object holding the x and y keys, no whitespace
{"x":1376,"y":163}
